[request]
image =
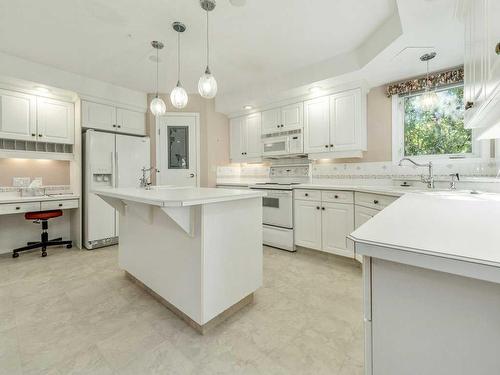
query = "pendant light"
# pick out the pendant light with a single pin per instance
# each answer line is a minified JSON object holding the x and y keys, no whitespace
{"x":179,"y":96}
{"x":429,"y":98}
{"x":207,"y":85}
{"x":157,"y":105}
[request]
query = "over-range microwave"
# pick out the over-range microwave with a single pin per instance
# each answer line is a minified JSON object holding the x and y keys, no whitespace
{"x":283,"y":143}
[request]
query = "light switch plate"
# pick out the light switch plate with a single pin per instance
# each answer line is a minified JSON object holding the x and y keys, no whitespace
{"x":21,"y":181}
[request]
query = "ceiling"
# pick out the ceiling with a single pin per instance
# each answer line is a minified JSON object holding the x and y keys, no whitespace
{"x":261,"y":50}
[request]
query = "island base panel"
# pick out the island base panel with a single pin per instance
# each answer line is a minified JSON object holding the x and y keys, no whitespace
{"x":429,"y":322}
{"x":202,"y":329}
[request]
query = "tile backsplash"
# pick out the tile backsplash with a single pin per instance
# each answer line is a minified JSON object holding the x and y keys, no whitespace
{"x":371,"y":170}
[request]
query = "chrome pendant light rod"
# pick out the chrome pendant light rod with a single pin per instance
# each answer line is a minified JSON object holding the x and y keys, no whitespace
{"x":158,"y":46}
{"x":180,"y":28}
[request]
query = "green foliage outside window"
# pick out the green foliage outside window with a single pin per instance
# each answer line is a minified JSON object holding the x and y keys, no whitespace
{"x":438,"y":131}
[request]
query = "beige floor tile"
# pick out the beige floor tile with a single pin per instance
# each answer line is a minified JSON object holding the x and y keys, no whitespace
{"x":75,"y":312}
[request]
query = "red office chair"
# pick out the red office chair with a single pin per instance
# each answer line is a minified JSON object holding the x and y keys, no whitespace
{"x":43,"y":217}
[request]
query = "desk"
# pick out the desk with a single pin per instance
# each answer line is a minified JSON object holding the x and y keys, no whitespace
{"x":15,"y":231}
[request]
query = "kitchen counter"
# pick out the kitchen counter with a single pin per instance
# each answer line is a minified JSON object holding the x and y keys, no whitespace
{"x":178,"y":197}
{"x":197,"y":250}
{"x":431,"y":275}
{"x":16,"y":198}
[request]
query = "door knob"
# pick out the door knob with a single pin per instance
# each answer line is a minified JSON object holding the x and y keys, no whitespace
{"x":497,"y":49}
{"x":191,"y":175}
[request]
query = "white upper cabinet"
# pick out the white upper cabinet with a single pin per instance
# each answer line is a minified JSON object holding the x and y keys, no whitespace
{"x":336,"y":125}
{"x":317,"y":125}
{"x":55,"y":121}
{"x":253,"y":136}
{"x":245,"y":138}
{"x":271,"y":121}
{"x":292,"y":116}
{"x":110,"y":118}
{"x":98,"y":116}
{"x":285,"y":118}
{"x":131,"y":122}
{"x":17,"y":115}
{"x":345,"y":121}
{"x":482,"y":65}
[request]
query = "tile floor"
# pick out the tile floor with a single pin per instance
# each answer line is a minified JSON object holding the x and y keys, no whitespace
{"x":74,"y":312}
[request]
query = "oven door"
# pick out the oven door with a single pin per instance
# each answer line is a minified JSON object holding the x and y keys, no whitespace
{"x":277,"y":208}
{"x":275,"y":146}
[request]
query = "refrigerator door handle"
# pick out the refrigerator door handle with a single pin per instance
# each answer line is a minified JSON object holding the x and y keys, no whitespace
{"x":117,"y":179}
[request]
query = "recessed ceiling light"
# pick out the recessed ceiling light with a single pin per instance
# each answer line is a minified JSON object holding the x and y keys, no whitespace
{"x":315,"y":89}
{"x":247,"y":107}
{"x":42,"y":89}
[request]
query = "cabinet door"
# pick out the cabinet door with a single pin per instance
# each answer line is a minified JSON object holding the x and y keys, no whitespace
{"x":362,"y":215}
{"x":307,"y":224}
{"x":492,"y":47}
{"x":236,"y":152}
{"x":292,"y":116}
{"x":317,"y":125}
{"x":253,"y":136}
{"x":130,"y":122}
{"x":271,"y":121}
{"x":98,"y":116}
{"x":17,"y":115}
{"x":337,"y":224}
{"x":55,"y":121}
{"x":345,"y":120}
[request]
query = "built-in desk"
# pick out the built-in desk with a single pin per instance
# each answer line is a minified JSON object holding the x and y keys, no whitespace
{"x":15,"y":231}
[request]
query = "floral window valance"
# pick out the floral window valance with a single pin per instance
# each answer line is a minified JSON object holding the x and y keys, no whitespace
{"x":450,"y":77}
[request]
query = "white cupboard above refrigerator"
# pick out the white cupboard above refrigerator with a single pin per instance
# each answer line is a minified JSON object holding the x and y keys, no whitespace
{"x":111,"y":118}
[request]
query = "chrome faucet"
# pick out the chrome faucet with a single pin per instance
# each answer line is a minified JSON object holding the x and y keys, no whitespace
{"x":145,"y":181}
{"x":429,"y":180}
{"x":453,"y":182}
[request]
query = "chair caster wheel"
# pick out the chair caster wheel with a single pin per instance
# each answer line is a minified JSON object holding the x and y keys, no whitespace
{"x":44,"y":253}
{"x":15,"y":255}
{"x":69,"y":246}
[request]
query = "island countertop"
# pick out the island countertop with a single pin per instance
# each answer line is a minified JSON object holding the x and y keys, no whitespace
{"x":453,"y":225}
{"x":169,"y":196}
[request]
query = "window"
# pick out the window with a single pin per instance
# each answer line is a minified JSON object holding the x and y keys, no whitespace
{"x":435,"y":133}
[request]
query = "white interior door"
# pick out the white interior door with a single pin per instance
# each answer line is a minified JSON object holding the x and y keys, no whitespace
{"x":178,"y":150}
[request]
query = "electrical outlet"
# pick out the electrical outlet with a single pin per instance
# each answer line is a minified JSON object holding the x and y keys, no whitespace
{"x":21,"y":181}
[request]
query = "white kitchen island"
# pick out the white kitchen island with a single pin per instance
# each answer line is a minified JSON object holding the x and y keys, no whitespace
{"x":198,"y":250}
{"x":431,"y":272}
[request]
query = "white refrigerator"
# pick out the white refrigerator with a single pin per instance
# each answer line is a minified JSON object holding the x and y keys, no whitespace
{"x":110,"y":160}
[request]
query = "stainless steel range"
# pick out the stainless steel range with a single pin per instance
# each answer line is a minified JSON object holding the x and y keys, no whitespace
{"x":277,"y":218}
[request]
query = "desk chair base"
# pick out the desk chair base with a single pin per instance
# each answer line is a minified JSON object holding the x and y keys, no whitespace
{"x":45,"y":242}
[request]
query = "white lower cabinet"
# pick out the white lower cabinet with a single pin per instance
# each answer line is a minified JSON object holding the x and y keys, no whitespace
{"x":337,"y":224}
{"x":307,"y":224}
{"x":363,"y":214}
{"x":323,"y":225}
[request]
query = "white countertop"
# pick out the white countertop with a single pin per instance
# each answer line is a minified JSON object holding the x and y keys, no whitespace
{"x":454,"y":225}
{"x":16,"y":197}
{"x":177,"y":197}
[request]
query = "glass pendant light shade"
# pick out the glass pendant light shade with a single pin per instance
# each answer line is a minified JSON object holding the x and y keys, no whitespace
{"x":179,"y":96}
{"x":157,"y":106}
{"x":429,"y":100}
{"x":207,"y":85}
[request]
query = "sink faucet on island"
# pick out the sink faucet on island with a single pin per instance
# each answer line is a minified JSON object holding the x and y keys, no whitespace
{"x":197,"y":250}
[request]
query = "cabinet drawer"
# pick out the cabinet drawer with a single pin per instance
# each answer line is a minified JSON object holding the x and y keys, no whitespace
{"x":15,"y":208}
{"x":337,"y":196}
{"x":376,"y":201}
{"x":308,"y":195}
{"x":59,"y":205}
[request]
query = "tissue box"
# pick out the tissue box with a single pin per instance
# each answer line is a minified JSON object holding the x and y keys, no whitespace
{"x":32,"y":192}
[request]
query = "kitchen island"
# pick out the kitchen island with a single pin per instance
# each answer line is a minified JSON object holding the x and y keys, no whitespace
{"x":198,"y":250}
{"x":431,"y":273}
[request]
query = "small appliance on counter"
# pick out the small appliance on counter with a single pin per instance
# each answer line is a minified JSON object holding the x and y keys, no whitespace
{"x":277,"y":215}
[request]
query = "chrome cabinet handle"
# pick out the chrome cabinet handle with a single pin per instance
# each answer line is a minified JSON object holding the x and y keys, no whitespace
{"x":331,"y":146}
{"x":326,"y":146}
{"x":33,"y":134}
{"x":18,"y":208}
{"x":375,"y":201}
{"x":317,"y":207}
{"x":40,"y":135}
{"x":114,"y":125}
{"x":336,"y":196}
{"x":60,"y":204}
{"x":306,"y":194}
{"x":323,"y":208}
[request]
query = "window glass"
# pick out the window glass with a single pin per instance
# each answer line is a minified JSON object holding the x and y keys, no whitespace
{"x":178,"y":147}
{"x":440,"y":130}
